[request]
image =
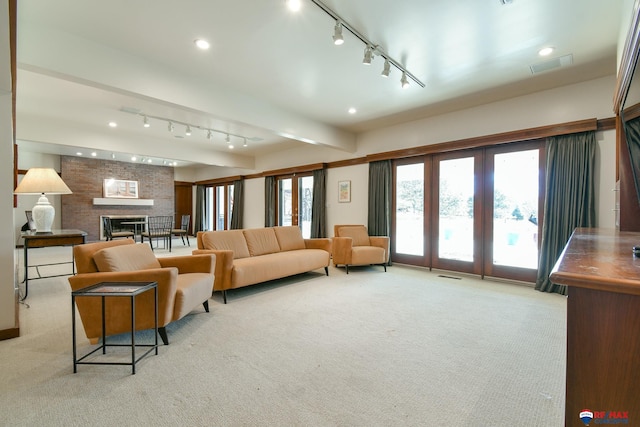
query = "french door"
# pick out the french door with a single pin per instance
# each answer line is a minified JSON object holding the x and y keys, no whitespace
{"x":295,"y":198}
{"x":475,"y":211}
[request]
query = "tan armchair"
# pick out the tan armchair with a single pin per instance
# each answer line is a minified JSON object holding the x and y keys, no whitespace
{"x":352,"y":245}
{"x":184,"y":282}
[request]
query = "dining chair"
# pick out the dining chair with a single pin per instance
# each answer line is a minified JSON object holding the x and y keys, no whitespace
{"x":110,"y":234}
{"x":158,"y":227}
{"x":183,"y":231}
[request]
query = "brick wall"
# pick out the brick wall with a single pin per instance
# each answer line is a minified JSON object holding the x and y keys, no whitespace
{"x":85,"y":178}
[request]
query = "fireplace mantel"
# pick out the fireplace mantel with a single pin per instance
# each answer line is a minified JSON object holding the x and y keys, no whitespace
{"x":108,"y":201}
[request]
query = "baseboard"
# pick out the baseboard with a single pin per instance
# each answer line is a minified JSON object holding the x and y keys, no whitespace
{"x":7,"y":334}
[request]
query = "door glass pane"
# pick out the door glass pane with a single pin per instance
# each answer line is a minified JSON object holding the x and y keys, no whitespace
{"x":209,"y":215}
{"x":284,"y":202}
{"x":515,"y":209}
{"x":219,"y":208}
{"x":305,"y":200}
{"x":230,"y":198}
{"x":456,"y":196}
{"x":410,"y":209}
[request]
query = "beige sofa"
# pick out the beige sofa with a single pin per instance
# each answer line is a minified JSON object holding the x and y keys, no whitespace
{"x":184,"y":282}
{"x":250,"y":256}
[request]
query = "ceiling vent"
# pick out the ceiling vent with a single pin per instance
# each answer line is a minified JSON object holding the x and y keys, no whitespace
{"x":562,"y":61}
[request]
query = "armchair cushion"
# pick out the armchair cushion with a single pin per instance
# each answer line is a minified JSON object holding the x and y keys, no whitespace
{"x":358,"y":234}
{"x":126,"y":258}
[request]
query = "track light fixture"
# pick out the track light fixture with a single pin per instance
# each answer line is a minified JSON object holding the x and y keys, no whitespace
{"x":208,"y":132}
{"x":387,"y":68}
{"x":368,"y":55}
{"x":245,"y":143}
{"x":403,"y":81}
{"x":337,"y":34}
{"x":338,"y":40}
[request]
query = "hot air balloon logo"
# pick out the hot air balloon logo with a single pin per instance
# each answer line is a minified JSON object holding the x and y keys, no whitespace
{"x":586,"y":416}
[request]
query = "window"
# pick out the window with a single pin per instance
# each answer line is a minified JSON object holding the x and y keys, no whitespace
{"x":220,"y":207}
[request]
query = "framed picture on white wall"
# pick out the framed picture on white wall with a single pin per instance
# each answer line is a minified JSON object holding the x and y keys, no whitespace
{"x":344,"y":191}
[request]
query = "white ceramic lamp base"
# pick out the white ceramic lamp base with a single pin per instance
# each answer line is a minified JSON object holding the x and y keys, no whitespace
{"x":43,"y":214}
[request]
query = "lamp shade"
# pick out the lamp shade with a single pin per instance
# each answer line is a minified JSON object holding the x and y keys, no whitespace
{"x":42,"y":181}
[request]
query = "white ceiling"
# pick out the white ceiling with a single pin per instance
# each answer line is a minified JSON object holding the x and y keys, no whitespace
{"x":274,"y":76}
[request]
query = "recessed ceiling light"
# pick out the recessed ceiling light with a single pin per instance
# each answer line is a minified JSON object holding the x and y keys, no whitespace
{"x":352,"y":110}
{"x":545,"y":51}
{"x":134,"y":158}
{"x":78,"y":153}
{"x":149,"y":161}
{"x":113,"y":124}
{"x":202,"y":44}
{"x":294,"y":5}
{"x":94,"y":154}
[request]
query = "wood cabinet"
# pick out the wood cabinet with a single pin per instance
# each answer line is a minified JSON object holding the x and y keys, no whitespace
{"x":603,"y":324}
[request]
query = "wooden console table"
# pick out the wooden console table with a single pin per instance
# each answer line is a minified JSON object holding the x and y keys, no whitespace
{"x":603,"y":325}
{"x":42,"y":240}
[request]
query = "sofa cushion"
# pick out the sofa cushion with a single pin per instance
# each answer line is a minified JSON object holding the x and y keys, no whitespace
{"x":229,"y":240}
{"x":261,"y":241}
{"x":126,"y":258}
{"x":358,"y":234}
{"x":289,"y":237}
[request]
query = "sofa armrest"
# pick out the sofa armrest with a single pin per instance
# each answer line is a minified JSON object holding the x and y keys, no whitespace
{"x":341,"y":250}
{"x":224,"y":267}
{"x":190,"y":263}
{"x":318,"y":243}
{"x":117,"y":309}
{"x":381,"y":242}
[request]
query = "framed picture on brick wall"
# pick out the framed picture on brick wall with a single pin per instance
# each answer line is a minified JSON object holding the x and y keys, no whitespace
{"x":119,"y":188}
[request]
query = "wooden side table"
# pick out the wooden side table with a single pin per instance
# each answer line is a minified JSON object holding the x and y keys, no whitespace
{"x":114,"y":290}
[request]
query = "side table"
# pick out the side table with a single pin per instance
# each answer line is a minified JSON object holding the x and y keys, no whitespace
{"x":113,"y":290}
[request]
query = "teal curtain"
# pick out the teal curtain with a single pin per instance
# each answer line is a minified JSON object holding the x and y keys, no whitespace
{"x":269,"y":201}
{"x":237,"y":210}
{"x":380,"y":190}
{"x":200,"y":220}
{"x":319,"y":204}
{"x":569,"y":199}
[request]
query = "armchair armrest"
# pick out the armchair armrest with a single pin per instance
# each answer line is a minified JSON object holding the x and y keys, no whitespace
{"x":381,"y":242}
{"x":341,"y":250}
{"x":223,"y":269}
{"x":318,"y":243}
{"x":117,"y":310}
{"x":190,"y":263}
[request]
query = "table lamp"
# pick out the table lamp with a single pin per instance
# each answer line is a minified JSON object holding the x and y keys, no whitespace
{"x":42,"y":181}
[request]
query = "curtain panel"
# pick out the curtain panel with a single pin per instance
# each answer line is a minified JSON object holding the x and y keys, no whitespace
{"x":319,"y":204}
{"x":380,"y":193}
{"x":569,"y":199}
{"x":237,"y":211}
{"x":269,"y":201}
{"x":200,"y":220}
{"x":632,"y":135}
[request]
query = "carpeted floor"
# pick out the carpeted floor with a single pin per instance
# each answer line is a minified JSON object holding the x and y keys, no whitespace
{"x":402,"y":348}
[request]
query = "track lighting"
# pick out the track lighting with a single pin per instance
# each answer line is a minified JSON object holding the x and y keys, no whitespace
{"x":403,"y":81}
{"x":368,"y":55}
{"x":189,"y":128}
{"x":370,"y":47}
{"x":387,"y":68}
{"x":337,"y":34}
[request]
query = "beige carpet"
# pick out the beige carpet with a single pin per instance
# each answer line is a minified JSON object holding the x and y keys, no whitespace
{"x":402,"y":348}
